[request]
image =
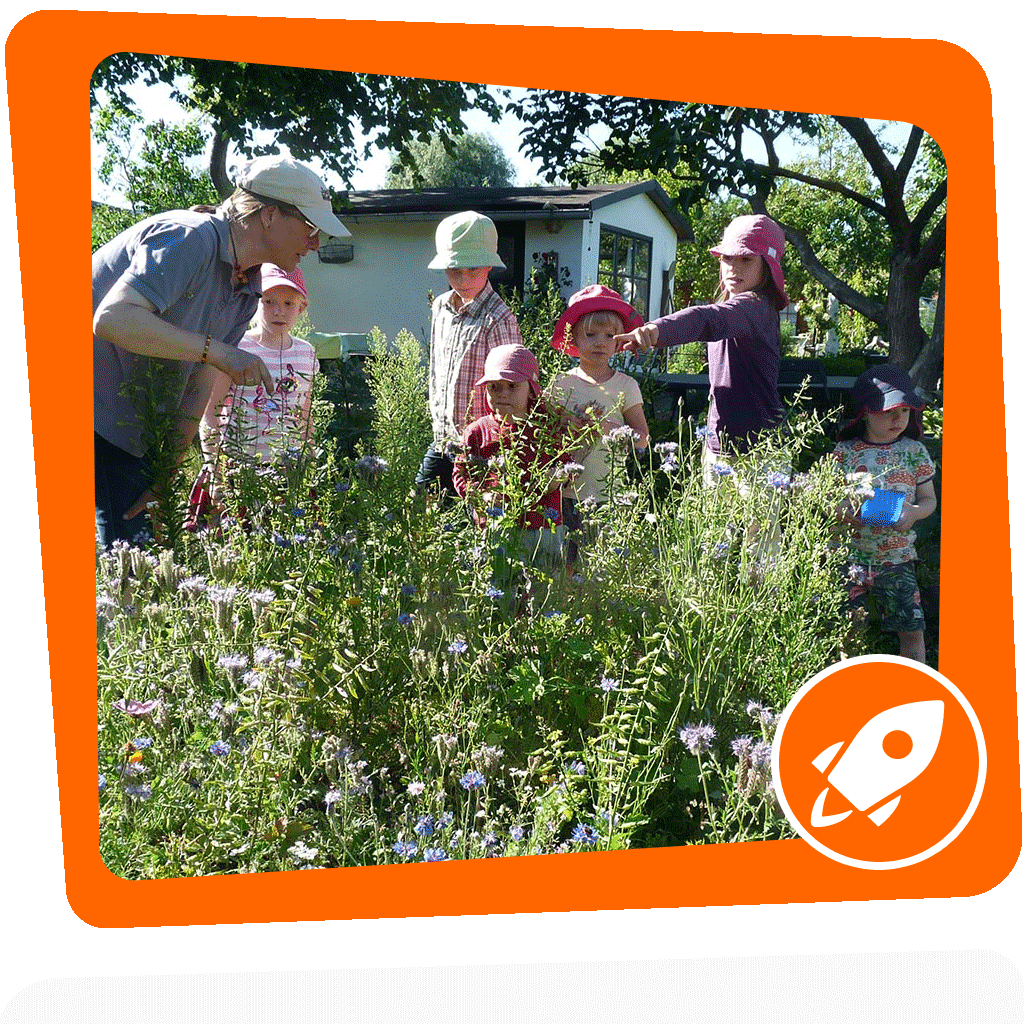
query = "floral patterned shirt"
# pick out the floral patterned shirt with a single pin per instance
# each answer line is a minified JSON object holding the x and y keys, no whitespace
{"x":900,"y":466}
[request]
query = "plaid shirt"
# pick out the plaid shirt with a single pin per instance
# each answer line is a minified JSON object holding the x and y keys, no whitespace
{"x":459,"y":342}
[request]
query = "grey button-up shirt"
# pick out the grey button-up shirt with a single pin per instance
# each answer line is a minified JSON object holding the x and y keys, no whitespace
{"x":181,"y":262}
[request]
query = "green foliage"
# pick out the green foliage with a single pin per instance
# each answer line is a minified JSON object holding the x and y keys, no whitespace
{"x":337,"y":680}
{"x":464,"y":160}
{"x":149,"y":165}
{"x":315,"y":114}
{"x":401,"y":428}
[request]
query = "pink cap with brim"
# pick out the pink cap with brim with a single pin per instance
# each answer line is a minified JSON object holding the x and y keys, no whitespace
{"x":512,"y":363}
{"x":592,"y":299}
{"x":756,"y":235}
{"x":272,"y":276}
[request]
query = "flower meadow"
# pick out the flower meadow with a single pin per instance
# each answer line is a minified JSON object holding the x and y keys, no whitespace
{"x":350,"y":673}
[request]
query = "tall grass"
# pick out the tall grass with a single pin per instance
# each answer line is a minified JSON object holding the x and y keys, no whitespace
{"x":342,"y":680}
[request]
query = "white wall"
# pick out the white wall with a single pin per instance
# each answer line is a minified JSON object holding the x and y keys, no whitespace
{"x":386,"y":284}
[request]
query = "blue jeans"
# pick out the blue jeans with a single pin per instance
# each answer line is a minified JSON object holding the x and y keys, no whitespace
{"x":121,"y":480}
{"x":435,"y":472}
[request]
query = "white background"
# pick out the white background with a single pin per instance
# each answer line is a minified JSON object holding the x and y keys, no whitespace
{"x":46,"y":940}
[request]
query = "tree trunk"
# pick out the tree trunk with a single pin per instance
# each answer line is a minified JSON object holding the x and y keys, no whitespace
{"x":219,"y":163}
{"x":902,"y":311}
{"x":927,"y":368}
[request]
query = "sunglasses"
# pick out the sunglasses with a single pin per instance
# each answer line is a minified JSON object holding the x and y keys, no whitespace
{"x":313,"y":229}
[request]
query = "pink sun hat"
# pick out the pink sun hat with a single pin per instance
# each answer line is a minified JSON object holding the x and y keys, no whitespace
{"x":272,"y":276}
{"x":756,"y":235}
{"x":592,"y":299}
{"x":513,"y":363}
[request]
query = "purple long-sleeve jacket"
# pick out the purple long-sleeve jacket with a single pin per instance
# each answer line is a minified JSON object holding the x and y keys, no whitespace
{"x":743,"y":362}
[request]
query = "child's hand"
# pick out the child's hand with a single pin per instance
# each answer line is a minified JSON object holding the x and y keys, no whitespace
{"x":911,"y":514}
{"x":640,"y":340}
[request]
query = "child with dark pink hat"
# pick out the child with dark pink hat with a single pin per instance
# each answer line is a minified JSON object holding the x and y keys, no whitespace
{"x":517,"y":431}
{"x":597,"y":397}
{"x":742,"y":334}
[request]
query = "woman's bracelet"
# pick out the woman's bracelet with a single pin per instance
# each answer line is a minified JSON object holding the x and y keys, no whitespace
{"x":206,"y":351}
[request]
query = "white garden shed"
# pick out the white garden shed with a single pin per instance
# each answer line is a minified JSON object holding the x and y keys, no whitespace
{"x":624,"y":236}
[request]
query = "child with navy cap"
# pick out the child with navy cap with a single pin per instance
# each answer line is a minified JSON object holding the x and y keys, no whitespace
{"x":881,"y":453}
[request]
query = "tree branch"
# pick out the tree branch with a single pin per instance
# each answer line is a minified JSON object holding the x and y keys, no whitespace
{"x":847,"y":295}
{"x":827,"y":186}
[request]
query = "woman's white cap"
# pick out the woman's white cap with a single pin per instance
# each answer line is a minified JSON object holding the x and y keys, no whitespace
{"x":284,"y":179}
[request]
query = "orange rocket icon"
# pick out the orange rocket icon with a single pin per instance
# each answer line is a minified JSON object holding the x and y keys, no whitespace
{"x":888,"y":753}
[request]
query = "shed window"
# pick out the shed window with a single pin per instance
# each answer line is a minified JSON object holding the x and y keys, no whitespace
{"x":625,"y":265}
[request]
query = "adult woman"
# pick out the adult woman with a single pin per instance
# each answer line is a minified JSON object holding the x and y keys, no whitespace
{"x":178,"y":290}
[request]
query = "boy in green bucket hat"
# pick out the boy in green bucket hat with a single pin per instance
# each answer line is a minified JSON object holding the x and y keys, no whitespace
{"x":466,"y":323}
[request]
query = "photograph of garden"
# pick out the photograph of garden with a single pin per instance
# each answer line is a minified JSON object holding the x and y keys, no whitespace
{"x":345,"y":670}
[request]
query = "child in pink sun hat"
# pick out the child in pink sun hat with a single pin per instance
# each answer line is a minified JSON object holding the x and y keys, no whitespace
{"x":245,"y":422}
{"x":516,"y":432}
{"x":741,"y":330}
{"x":597,"y":398}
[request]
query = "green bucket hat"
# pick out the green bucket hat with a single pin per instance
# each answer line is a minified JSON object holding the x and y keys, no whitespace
{"x":466,"y":240}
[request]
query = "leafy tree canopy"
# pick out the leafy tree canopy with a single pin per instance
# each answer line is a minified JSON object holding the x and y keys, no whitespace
{"x":153,"y":173}
{"x":452,"y":162}
{"x":316,"y":114}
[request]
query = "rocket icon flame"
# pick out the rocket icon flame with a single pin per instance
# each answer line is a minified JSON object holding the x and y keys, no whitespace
{"x":878,"y":762}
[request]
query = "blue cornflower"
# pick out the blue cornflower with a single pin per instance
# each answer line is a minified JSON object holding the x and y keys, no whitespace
{"x":425,"y":826}
{"x":221,"y":748}
{"x":405,"y":619}
{"x":408,"y":590}
{"x":405,"y":850}
{"x":458,"y":647}
{"x":103,"y":782}
{"x":721,"y":469}
{"x":472,"y":780}
{"x":697,"y":738}
{"x":142,"y":742}
{"x":434,"y":853}
{"x":516,"y":833}
{"x":445,"y":820}
{"x":281,"y":541}
{"x":139,"y":792}
{"x":585,"y":834}
{"x":495,"y":513}
{"x":779,"y":480}
{"x":298,"y":512}
{"x":342,"y":486}
{"x":494,"y":593}
{"x":608,"y":684}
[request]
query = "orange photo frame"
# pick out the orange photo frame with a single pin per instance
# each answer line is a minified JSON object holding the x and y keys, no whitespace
{"x":953,"y":104}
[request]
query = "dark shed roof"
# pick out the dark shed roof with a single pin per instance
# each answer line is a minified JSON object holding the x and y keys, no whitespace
{"x":534,"y":203}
